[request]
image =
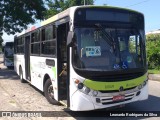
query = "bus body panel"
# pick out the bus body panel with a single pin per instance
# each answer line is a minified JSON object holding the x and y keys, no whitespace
{"x":39,"y":69}
{"x":19,"y":62}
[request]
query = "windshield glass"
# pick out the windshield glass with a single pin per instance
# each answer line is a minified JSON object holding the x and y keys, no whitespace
{"x":108,"y":49}
{"x":8,"y":52}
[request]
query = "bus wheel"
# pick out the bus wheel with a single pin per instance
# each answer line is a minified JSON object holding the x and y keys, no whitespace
{"x":49,"y":93}
{"x":21,"y":75}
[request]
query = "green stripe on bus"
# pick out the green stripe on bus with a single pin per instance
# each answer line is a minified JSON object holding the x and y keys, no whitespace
{"x":96,"y":85}
{"x":54,"y":71}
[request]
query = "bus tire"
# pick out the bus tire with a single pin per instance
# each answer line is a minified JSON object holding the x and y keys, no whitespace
{"x":49,"y":93}
{"x":21,"y":75}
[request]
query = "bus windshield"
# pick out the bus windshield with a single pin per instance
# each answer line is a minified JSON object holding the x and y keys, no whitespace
{"x":8,"y":50}
{"x":107,"y":49}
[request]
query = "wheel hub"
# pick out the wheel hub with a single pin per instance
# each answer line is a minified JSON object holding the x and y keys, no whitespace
{"x":50,"y":91}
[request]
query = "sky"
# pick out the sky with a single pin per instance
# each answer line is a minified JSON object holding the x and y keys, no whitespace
{"x":149,"y":8}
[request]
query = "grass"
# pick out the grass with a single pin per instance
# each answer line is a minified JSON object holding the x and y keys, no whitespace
{"x":153,"y":71}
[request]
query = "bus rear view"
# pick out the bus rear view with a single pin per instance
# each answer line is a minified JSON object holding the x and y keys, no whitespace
{"x":109,"y":57}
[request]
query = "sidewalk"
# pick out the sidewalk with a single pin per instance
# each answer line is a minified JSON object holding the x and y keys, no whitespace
{"x":155,"y":77}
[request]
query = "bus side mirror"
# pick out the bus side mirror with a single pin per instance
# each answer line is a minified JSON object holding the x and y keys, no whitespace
{"x":70,"y":37}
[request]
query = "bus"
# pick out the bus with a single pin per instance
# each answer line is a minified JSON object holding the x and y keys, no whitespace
{"x":8,"y":54}
{"x":86,"y":57}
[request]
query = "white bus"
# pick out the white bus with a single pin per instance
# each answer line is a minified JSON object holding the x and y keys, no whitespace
{"x":86,"y":57}
{"x":8,"y":54}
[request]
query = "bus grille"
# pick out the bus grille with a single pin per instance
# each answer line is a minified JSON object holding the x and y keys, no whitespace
{"x":112,"y":91}
{"x":109,"y":100}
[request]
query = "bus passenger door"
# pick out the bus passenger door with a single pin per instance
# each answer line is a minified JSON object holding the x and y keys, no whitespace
{"x":62,"y":74}
{"x":27,"y":57}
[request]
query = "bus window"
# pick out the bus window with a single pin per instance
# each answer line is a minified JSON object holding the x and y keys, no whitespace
{"x":48,"y":45}
{"x":35,"y":48}
{"x":35,"y":37}
{"x":35,"y":43}
{"x":48,"y":33}
{"x":43,"y":34}
{"x":54,"y":31}
{"x":20,"y":45}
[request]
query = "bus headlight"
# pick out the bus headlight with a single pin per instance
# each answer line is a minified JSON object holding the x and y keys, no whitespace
{"x":80,"y":85}
{"x":86,"y":90}
{"x":83,"y":88}
{"x":95,"y":93}
{"x":142,"y":85}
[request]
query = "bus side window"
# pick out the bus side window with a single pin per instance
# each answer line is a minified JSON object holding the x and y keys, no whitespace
{"x":43,"y":34}
{"x":48,"y":44}
{"x":35,"y":43}
{"x":20,"y":45}
{"x":54,"y":32}
{"x":48,"y":33}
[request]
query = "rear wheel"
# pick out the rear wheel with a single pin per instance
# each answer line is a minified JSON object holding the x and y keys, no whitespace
{"x":21,"y":75}
{"x":49,"y":92}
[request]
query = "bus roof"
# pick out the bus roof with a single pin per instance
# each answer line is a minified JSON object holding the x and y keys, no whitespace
{"x":70,"y":12}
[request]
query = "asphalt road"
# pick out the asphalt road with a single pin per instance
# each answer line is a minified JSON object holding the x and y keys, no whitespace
{"x":15,"y":96}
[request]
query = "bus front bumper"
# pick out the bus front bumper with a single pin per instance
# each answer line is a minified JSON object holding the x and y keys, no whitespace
{"x":82,"y":102}
{"x":9,"y":64}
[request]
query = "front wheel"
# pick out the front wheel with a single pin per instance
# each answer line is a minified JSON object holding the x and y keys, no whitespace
{"x":49,"y":93}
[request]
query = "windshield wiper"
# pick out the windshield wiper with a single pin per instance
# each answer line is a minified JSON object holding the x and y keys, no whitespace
{"x":108,"y":39}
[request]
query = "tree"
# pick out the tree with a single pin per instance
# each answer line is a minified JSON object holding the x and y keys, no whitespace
{"x":153,"y":51}
{"x":15,"y":15}
{"x":60,"y":5}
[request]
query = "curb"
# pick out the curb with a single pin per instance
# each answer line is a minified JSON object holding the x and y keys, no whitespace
{"x":155,"y":77}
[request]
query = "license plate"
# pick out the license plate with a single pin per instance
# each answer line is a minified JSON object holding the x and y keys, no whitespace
{"x":118,"y":98}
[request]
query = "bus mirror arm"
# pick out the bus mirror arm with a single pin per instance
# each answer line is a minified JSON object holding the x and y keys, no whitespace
{"x":70,"y":37}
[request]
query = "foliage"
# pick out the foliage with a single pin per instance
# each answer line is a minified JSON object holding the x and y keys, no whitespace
{"x":60,"y":5}
{"x":153,"y":51}
{"x":153,"y":71}
{"x":15,"y":15}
